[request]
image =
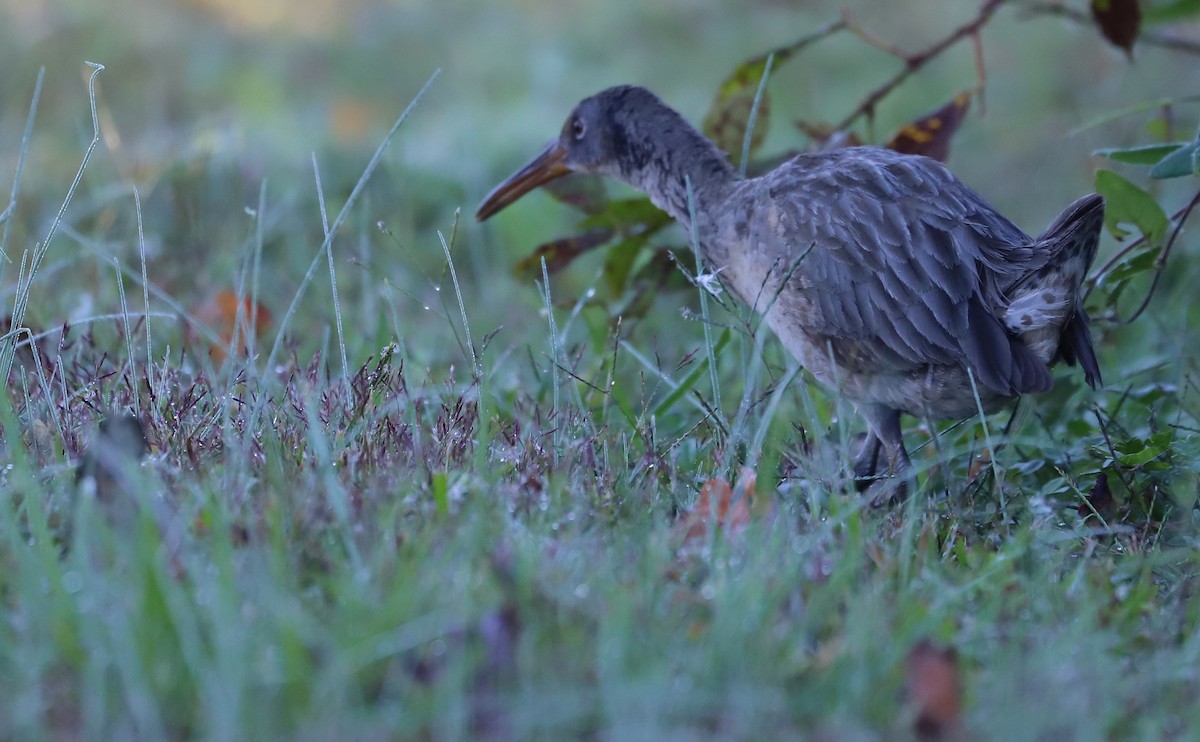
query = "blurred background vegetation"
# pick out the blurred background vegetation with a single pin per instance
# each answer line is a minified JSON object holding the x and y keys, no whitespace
{"x":203,"y":101}
{"x":479,"y":555}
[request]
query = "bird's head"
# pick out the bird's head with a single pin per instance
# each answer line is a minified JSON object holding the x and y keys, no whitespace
{"x":600,"y":136}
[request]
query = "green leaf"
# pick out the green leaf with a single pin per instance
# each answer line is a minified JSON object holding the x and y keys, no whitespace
{"x":729,"y":115}
{"x":657,"y":275}
{"x":441,"y":493}
{"x":1170,"y":11}
{"x":1136,"y":452}
{"x":1158,"y":129}
{"x":625,"y":214}
{"x":1136,"y":108}
{"x":1148,"y":154}
{"x":619,"y":262}
{"x":689,"y":382}
{"x":559,"y":253}
{"x":1128,"y":204}
{"x":1181,"y":162}
{"x":726,"y":121}
{"x":584,"y":191}
{"x":1140,"y":262}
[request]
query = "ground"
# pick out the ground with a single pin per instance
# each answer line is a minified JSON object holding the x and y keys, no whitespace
{"x":450,"y":500}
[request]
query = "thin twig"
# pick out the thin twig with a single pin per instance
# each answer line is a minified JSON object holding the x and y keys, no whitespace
{"x":1094,"y":279}
{"x":914,"y":62}
{"x":1112,"y":451}
{"x":854,"y":27}
{"x":1161,"y":263}
{"x":1153,"y":38}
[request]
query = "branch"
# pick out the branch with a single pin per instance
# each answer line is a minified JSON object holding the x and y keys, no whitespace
{"x":1094,"y":279}
{"x":1153,"y":38}
{"x":914,"y":62}
{"x":1161,"y":263}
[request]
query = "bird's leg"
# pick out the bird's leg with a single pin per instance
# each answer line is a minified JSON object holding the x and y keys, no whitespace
{"x":866,"y":462}
{"x":884,"y":423}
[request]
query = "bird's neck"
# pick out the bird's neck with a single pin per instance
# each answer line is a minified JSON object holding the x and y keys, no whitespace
{"x":681,"y":171}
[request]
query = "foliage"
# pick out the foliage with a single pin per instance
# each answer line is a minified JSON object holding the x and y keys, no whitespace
{"x":447,"y":521}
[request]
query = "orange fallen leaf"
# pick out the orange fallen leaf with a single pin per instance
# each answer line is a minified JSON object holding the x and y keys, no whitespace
{"x":350,"y":119}
{"x":226,"y":314}
{"x":732,"y":508}
{"x":981,"y":464}
{"x":934,"y":690}
{"x":559,"y":253}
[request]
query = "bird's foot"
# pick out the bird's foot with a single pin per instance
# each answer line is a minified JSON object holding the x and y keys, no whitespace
{"x":889,"y":486}
{"x":881,"y":489}
{"x":866,"y":462}
{"x":887,"y":491}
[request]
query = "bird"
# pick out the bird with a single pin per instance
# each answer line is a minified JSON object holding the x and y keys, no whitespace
{"x":106,"y":471}
{"x":884,"y":275}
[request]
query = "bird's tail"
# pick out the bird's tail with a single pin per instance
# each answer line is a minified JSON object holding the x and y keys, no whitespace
{"x":1045,"y":307}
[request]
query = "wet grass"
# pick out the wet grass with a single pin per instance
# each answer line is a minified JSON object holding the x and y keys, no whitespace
{"x":476,"y":525}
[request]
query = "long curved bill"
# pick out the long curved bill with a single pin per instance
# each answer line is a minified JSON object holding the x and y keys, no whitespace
{"x":547,"y":166}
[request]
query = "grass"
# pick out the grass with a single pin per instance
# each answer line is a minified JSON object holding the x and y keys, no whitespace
{"x":436,"y":504}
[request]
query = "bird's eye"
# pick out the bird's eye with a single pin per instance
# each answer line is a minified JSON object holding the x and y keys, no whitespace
{"x":578,"y":128}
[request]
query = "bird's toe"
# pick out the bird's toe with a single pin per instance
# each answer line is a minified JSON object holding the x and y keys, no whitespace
{"x":887,"y":492}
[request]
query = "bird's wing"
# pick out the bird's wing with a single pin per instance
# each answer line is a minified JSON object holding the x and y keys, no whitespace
{"x":903,"y":258}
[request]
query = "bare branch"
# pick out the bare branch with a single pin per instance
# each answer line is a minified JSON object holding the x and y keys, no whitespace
{"x":914,"y":62}
{"x":1153,"y":38}
{"x":1161,"y":263}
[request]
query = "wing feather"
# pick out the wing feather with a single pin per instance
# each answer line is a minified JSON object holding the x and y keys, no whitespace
{"x":906,"y":260}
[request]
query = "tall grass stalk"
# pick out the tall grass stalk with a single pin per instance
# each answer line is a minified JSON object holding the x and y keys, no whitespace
{"x":556,"y":402}
{"x":337,"y":305}
{"x":476,"y":369}
{"x":22,"y":153}
{"x":21,"y":301}
{"x":694,"y":241}
{"x":359,"y":185}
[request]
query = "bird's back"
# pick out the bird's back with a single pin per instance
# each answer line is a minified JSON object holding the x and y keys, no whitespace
{"x":889,"y":266}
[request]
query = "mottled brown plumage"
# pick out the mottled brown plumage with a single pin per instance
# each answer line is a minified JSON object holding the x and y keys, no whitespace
{"x":882,"y":273}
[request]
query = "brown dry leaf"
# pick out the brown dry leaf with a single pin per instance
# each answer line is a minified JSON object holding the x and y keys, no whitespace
{"x":584,"y":191}
{"x":729,"y":115}
{"x":224,"y":313}
{"x":980,"y":464}
{"x":1119,"y":21}
{"x":350,"y":119}
{"x":934,"y":691}
{"x":930,"y":135}
{"x":732,"y":507}
{"x":559,"y":253}
{"x":726,"y":121}
{"x":1099,"y":500}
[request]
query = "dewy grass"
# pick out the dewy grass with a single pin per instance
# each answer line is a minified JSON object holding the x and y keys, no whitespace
{"x":337,"y":222}
{"x":137,"y":203}
{"x":22,"y":154}
{"x":25,"y":278}
{"x":405,"y":554}
{"x":476,"y":369}
{"x":555,"y":398}
{"x":694,"y":241}
{"x":337,"y":305}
